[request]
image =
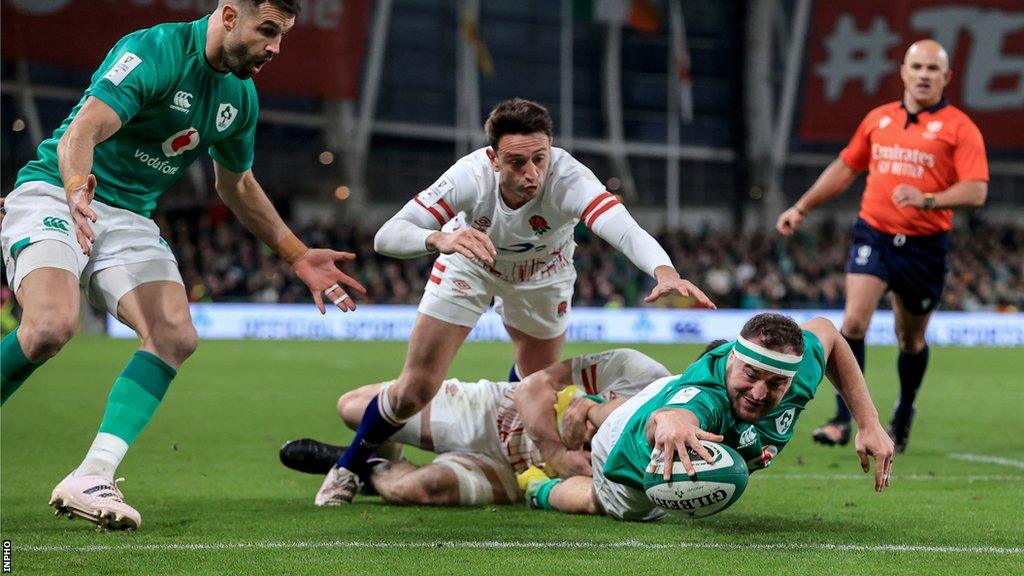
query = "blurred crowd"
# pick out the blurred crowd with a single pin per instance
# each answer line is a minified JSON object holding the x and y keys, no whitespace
{"x":220,"y":262}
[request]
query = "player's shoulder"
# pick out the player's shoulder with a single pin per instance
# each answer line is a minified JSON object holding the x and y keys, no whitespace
{"x":169,"y":38}
{"x":564,"y":165}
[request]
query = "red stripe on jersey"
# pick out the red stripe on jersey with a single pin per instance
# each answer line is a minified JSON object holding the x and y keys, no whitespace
{"x":440,"y":267}
{"x":586,"y":383}
{"x":593,"y":378}
{"x":448,"y":210}
{"x":440,"y":219}
{"x":435,"y":279}
{"x":597,"y":213}
{"x":593,"y":204}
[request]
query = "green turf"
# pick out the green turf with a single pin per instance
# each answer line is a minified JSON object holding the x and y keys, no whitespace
{"x":215,"y":499}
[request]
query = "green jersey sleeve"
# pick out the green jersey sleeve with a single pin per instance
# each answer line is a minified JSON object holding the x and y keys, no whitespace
{"x":237,"y":152}
{"x":136,"y":71}
{"x":710,"y":404}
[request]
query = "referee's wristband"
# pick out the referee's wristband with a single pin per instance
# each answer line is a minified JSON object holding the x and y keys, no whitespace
{"x":595,"y":398}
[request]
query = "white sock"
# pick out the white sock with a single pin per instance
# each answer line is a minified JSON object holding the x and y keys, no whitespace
{"x":103,"y":456}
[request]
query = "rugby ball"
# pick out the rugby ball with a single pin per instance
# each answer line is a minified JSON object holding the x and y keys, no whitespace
{"x":716,"y":485}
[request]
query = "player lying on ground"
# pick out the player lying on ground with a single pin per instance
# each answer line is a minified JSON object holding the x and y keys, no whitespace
{"x":479,"y":436}
{"x":502,"y":220}
{"x":747,"y":394}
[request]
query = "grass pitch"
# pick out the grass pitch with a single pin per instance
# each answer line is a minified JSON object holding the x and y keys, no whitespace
{"x":215,"y":500}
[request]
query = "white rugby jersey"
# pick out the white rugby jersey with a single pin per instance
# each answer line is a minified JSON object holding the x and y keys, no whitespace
{"x":610,"y":374}
{"x":533,"y":241}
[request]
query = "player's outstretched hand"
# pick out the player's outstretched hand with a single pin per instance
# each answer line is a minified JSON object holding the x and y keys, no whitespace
{"x":317,"y":269}
{"x":79,"y":202}
{"x":789,"y":221}
{"x":906,"y":195}
{"x":875,"y":442}
{"x":674,"y":434}
{"x":669,"y":282}
{"x":469,"y":242}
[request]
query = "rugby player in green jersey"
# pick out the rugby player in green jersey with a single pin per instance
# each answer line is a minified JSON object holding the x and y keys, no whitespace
{"x":747,"y":393}
{"x":79,"y":215}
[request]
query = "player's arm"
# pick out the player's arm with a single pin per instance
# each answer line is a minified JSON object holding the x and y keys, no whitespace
{"x":535,"y":399}
{"x":845,"y":375}
{"x":315,"y":267}
{"x":95,"y":122}
{"x":415,"y":231}
{"x":836,"y":178}
{"x":965,"y":194}
{"x":676,"y":431}
{"x":624,"y":233}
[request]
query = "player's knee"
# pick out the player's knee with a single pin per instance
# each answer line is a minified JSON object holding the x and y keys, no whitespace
{"x":175,"y":342}
{"x":351,"y":406}
{"x":413,"y":391}
{"x":42,"y":340}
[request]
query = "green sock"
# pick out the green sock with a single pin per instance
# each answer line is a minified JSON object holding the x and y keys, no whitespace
{"x":15,"y":368}
{"x":539,"y":498}
{"x":136,"y":395}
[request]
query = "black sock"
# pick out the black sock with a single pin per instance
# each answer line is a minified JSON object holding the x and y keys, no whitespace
{"x":911,"y":368}
{"x":857,"y":345}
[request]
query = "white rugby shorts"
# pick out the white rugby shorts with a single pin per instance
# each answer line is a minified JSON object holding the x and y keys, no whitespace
{"x":125,"y":241}
{"x":459,"y":291}
{"x":619,"y":501}
{"x":461,"y":424}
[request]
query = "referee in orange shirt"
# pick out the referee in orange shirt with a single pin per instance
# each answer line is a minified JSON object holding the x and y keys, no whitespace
{"x":925,"y":158}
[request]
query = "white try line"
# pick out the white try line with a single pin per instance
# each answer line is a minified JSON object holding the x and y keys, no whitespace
{"x":895,"y":477}
{"x":516,"y":545}
{"x":988,"y":460}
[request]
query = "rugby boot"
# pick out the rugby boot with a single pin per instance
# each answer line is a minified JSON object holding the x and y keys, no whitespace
{"x":899,"y":428}
{"x":310,"y":456}
{"x":95,"y":499}
{"x":832,"y":433}
{"x":339,"y":487}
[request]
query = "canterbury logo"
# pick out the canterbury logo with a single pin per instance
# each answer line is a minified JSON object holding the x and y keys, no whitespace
{"x":182,"y":101}
{"x":54,"y":223}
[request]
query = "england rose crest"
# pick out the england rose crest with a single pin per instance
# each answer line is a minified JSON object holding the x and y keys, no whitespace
{"x":563,"y":308}
{"x":539,"y":224}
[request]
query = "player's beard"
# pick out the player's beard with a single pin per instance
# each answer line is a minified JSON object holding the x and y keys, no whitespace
{"x":239,"y":62}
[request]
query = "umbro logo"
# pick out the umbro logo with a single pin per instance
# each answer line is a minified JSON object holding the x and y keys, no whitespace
{"x":182,"y":101}
{"x":54,"y":223}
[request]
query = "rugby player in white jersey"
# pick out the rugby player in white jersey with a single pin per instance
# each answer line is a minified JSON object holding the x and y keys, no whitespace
{"x":475,"y":428}
{"x":502,"y":219}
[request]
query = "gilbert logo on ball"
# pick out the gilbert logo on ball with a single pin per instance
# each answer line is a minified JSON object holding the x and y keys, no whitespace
{"x":715,"y":487}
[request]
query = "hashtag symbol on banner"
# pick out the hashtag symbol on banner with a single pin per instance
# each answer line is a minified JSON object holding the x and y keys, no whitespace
{"x":857,"y":55}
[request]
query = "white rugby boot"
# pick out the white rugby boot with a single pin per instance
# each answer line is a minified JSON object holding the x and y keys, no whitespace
{"x":95,"y":499}
{"x":339,"y":487}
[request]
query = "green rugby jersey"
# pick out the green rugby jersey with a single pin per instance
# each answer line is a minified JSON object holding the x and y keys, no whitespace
{"x":701,"y":390}
{"x":172,"y":106}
